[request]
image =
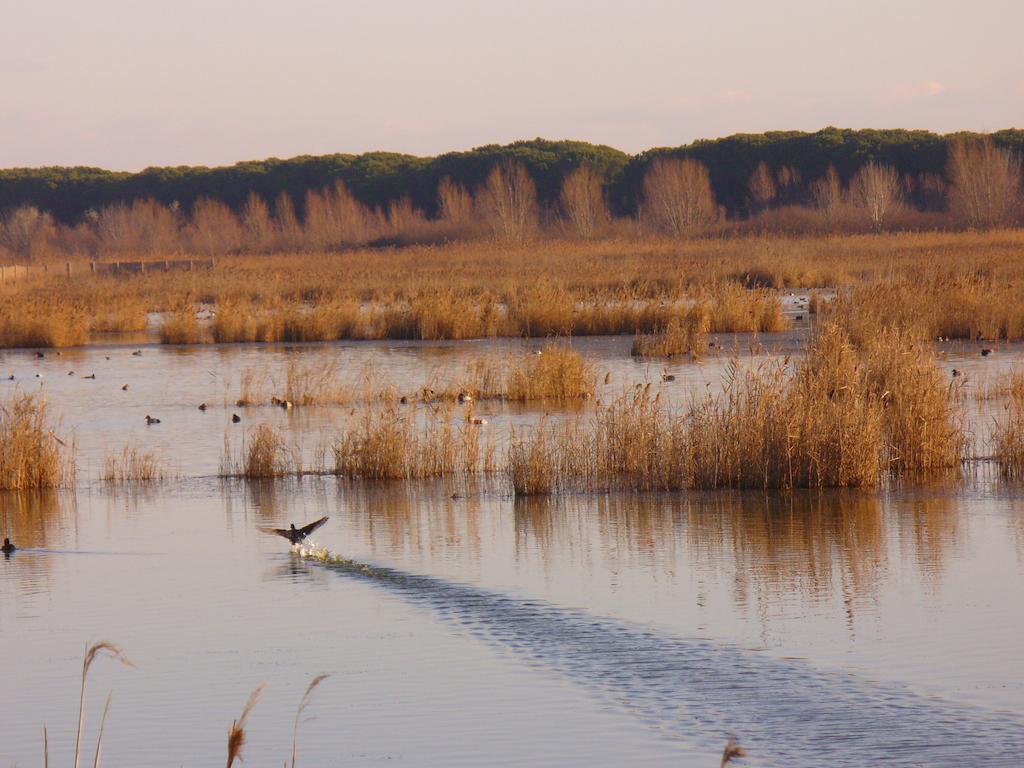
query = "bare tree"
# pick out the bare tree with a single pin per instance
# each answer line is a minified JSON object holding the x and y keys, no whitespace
{"x":827,"y":194}
{"x":454,"y":203}
{"x":257,"y":224}
{"x":876,"y":191}
{"x":677,"y":196}
{"x":582,"y":203}
{"x":26,"y":232}
{"x":762,"y":186}
{"x":145,"y":226}
{"x":286,"y":223}
{"x":215,"y":228}
{"x":508,"y":201}
{"x":985,"y":182}
{"x":403,"y":218}
{"x":334,"y":218}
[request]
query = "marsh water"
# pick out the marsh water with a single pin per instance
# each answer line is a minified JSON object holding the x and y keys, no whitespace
{"x":472,"y":628}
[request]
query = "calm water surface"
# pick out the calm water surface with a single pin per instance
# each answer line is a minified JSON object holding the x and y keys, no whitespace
{"x":614,"y":629}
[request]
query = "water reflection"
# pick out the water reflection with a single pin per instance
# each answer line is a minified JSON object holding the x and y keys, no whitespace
{"x":35,"y":518}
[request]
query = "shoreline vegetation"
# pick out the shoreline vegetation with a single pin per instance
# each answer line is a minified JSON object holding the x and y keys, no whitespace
{"x":668,"y":291}
{"x":899,"y":238}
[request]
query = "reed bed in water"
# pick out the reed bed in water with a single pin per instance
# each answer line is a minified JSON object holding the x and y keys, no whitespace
{"x":266,"y":454}
{"x":1007,"y":385}
{"x":32,"y":455}
{"x":550,"y":287}
{"x":682,"y":336}
{"x":182,"y":327}
{"x":132,"y":465}
{"x":393,"y":443}
{"x":1008,"y":441}
{"x":846,"y":416}
{"x":556,"y":372}
{"x":263,"y":454}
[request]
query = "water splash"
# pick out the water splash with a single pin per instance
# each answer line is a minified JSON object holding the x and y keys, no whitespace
{"x":786,"y":711}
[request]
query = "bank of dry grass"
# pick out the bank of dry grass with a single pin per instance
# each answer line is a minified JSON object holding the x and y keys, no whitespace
{"x":552,"y":287}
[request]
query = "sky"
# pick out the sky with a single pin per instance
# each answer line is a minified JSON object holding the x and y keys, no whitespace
{"x":125,"y":84}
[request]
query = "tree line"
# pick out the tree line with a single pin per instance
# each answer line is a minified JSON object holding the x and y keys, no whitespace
{"x":832,"y":180}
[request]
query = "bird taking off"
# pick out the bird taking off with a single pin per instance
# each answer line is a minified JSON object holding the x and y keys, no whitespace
{"x":293,"y":534}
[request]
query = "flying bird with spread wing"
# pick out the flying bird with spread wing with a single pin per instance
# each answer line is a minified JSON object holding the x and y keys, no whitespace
{"x":293,"y":534}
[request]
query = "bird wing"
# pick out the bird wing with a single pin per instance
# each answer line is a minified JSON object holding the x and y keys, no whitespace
{"x":308,"y":529}
{"x":284,"y":532}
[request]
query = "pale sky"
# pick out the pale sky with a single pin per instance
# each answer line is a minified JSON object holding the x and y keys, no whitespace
{"x":125,"y":84}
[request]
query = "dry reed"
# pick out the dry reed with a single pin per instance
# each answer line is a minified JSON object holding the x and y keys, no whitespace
{"x":306,"y":697}
{"x":387,"y":443}
{"x":732,"y":751}
{"x":686,"y":335}
{"x":132,"y":465}
{"x":1008,"y":442}
{"x":103,"y":648}
{"x":556,"y":372}
{"x":236,"y":733}
{"x":32,"y":456}
{"x":181,"y":327}
{"x":266,"y":455}
{"x":1009,"y":385}
{"x":967,"y":280}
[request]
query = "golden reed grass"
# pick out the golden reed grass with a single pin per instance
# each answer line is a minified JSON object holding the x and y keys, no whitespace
{"x":686,"y":335}
{"x":266,"y":455}
{"x":132,"y":465}
{"x":1009,"y":384}
{"x":32,"y":455}
{"x":1008,"y":441}
{"x":552,"y":287}
{"x":94,"y":651}
{"x":392,"y":442}
{"x":846,"y":415}
{"x":236,"y":733}
{"x":306,"y":698}
{"x":555,"y":372}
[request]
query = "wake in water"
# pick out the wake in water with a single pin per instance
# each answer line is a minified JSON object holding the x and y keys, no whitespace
{"x":788,"y":713}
